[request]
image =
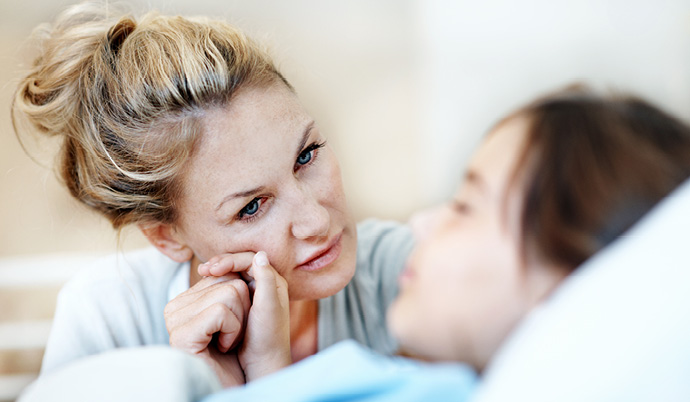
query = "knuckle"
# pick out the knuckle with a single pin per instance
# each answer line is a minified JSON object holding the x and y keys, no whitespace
{"x":168,"y":310}
{"x":241,"y":287}
{"x":174,"y":340}
{"x":219,"y":310}
{"x":171,"y":323}
{"x":224,"y":292}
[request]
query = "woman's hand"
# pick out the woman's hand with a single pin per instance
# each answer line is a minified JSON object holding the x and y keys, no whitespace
{"x":266,"y":344}
{"x":214,"y":308}
{"x":224,"y":264}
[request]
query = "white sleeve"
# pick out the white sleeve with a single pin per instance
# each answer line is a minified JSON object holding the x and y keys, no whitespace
{"x":78,"y":329}
{"x":153,"y":373}
{"x":117,"y":302}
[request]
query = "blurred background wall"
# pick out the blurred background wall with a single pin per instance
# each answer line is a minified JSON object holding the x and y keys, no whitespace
{"x":352,"y":63}
{"x":404,"y":89}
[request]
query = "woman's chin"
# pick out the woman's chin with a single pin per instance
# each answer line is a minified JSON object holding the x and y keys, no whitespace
{"x":321,"y":286}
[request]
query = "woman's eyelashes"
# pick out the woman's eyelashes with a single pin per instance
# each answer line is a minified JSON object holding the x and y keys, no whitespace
{"x":308,"y":155}
{"x":252,"y":210}
{"x":256,"y":207}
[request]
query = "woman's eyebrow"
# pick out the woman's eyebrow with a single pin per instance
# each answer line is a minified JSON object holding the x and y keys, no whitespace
{"x":305,"y":137}
{"x":247,"y":193}
{"x":239,"y":194}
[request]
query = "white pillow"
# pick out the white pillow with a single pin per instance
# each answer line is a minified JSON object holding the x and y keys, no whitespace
{"x":616,"y":330}
{"x":151,"y":373}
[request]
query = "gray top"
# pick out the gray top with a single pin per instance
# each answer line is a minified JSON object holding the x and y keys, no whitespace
{"x":119,"y":301}
{"x":359,"y":311}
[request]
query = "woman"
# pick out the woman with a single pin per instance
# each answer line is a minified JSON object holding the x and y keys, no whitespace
{"x":185,"y":128}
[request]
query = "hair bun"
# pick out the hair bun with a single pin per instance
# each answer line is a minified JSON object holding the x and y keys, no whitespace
{"x":125,"y":94}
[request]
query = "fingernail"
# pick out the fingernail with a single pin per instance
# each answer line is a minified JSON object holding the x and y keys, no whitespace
{"x":261,"y":259}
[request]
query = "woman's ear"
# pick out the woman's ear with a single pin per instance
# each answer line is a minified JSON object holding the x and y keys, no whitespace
{"x":166,"y":240}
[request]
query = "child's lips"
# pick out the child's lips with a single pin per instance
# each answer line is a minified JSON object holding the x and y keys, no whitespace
{"x":406,"y":277}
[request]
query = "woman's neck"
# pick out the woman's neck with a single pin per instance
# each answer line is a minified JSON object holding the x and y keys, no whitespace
{"x":304,"y":328}
{"x":194,"y":276}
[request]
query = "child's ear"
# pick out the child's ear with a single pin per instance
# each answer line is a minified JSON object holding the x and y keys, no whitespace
{"x":167,"y":241}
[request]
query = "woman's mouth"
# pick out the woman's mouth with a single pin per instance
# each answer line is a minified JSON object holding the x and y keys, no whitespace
{"x":323,"y":257}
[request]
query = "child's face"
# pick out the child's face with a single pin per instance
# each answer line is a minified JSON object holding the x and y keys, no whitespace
{"x":465,"y":286}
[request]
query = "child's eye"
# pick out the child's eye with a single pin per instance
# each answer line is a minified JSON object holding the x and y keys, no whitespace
{"x":308,"y":155}
{"x":461,"y":207}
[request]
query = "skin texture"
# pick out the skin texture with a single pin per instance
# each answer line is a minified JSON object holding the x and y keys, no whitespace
{"x":466,"y":285}
{"x":220,"y":306}
{"x":261,"y":178}
{"x":255,"y":143}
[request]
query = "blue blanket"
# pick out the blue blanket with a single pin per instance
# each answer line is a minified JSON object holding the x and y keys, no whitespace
{"x":350,"y":372}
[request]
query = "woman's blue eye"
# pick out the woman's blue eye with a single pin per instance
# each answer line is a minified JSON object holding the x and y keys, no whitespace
{"x":305,"y":156}
{"x":308,"y":155}
{"x":250,"y":209}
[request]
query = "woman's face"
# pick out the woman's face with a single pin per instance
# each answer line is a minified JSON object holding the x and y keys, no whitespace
{"x":465,"y":286}
{"x":262,"y":178}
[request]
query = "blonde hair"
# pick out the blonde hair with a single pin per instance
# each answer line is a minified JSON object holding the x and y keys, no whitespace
{"x":127,"y":96}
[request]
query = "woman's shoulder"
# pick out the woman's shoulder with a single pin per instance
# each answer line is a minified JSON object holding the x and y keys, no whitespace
{"x":113,"y":301}
{"x":145,"y":270}
{"x":382,"y":244}
{"x":374,"y":228}
{"x":376,"y":235}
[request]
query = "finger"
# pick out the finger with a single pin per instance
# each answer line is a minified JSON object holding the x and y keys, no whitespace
{"x":191,"y":295}
{"x":225,"y":263}
{"x":249,"y":280}
{"x":195,"y":335}
{"x":229,"y":340}
{"x":234,"y":294}
{"x":270,"y":287}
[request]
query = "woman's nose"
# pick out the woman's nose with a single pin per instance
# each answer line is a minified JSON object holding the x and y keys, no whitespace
{"x":310,"y":218}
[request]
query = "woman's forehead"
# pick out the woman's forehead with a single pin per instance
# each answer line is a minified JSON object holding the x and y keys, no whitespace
{"x":256,"y":108}
{"x":256,"y":135}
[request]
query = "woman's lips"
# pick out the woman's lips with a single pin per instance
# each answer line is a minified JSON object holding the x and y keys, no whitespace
{"x":324,"y":257}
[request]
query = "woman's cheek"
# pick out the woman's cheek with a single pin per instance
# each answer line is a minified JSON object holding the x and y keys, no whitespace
{"x":276,"y":249}
{"x":330,"y":180}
